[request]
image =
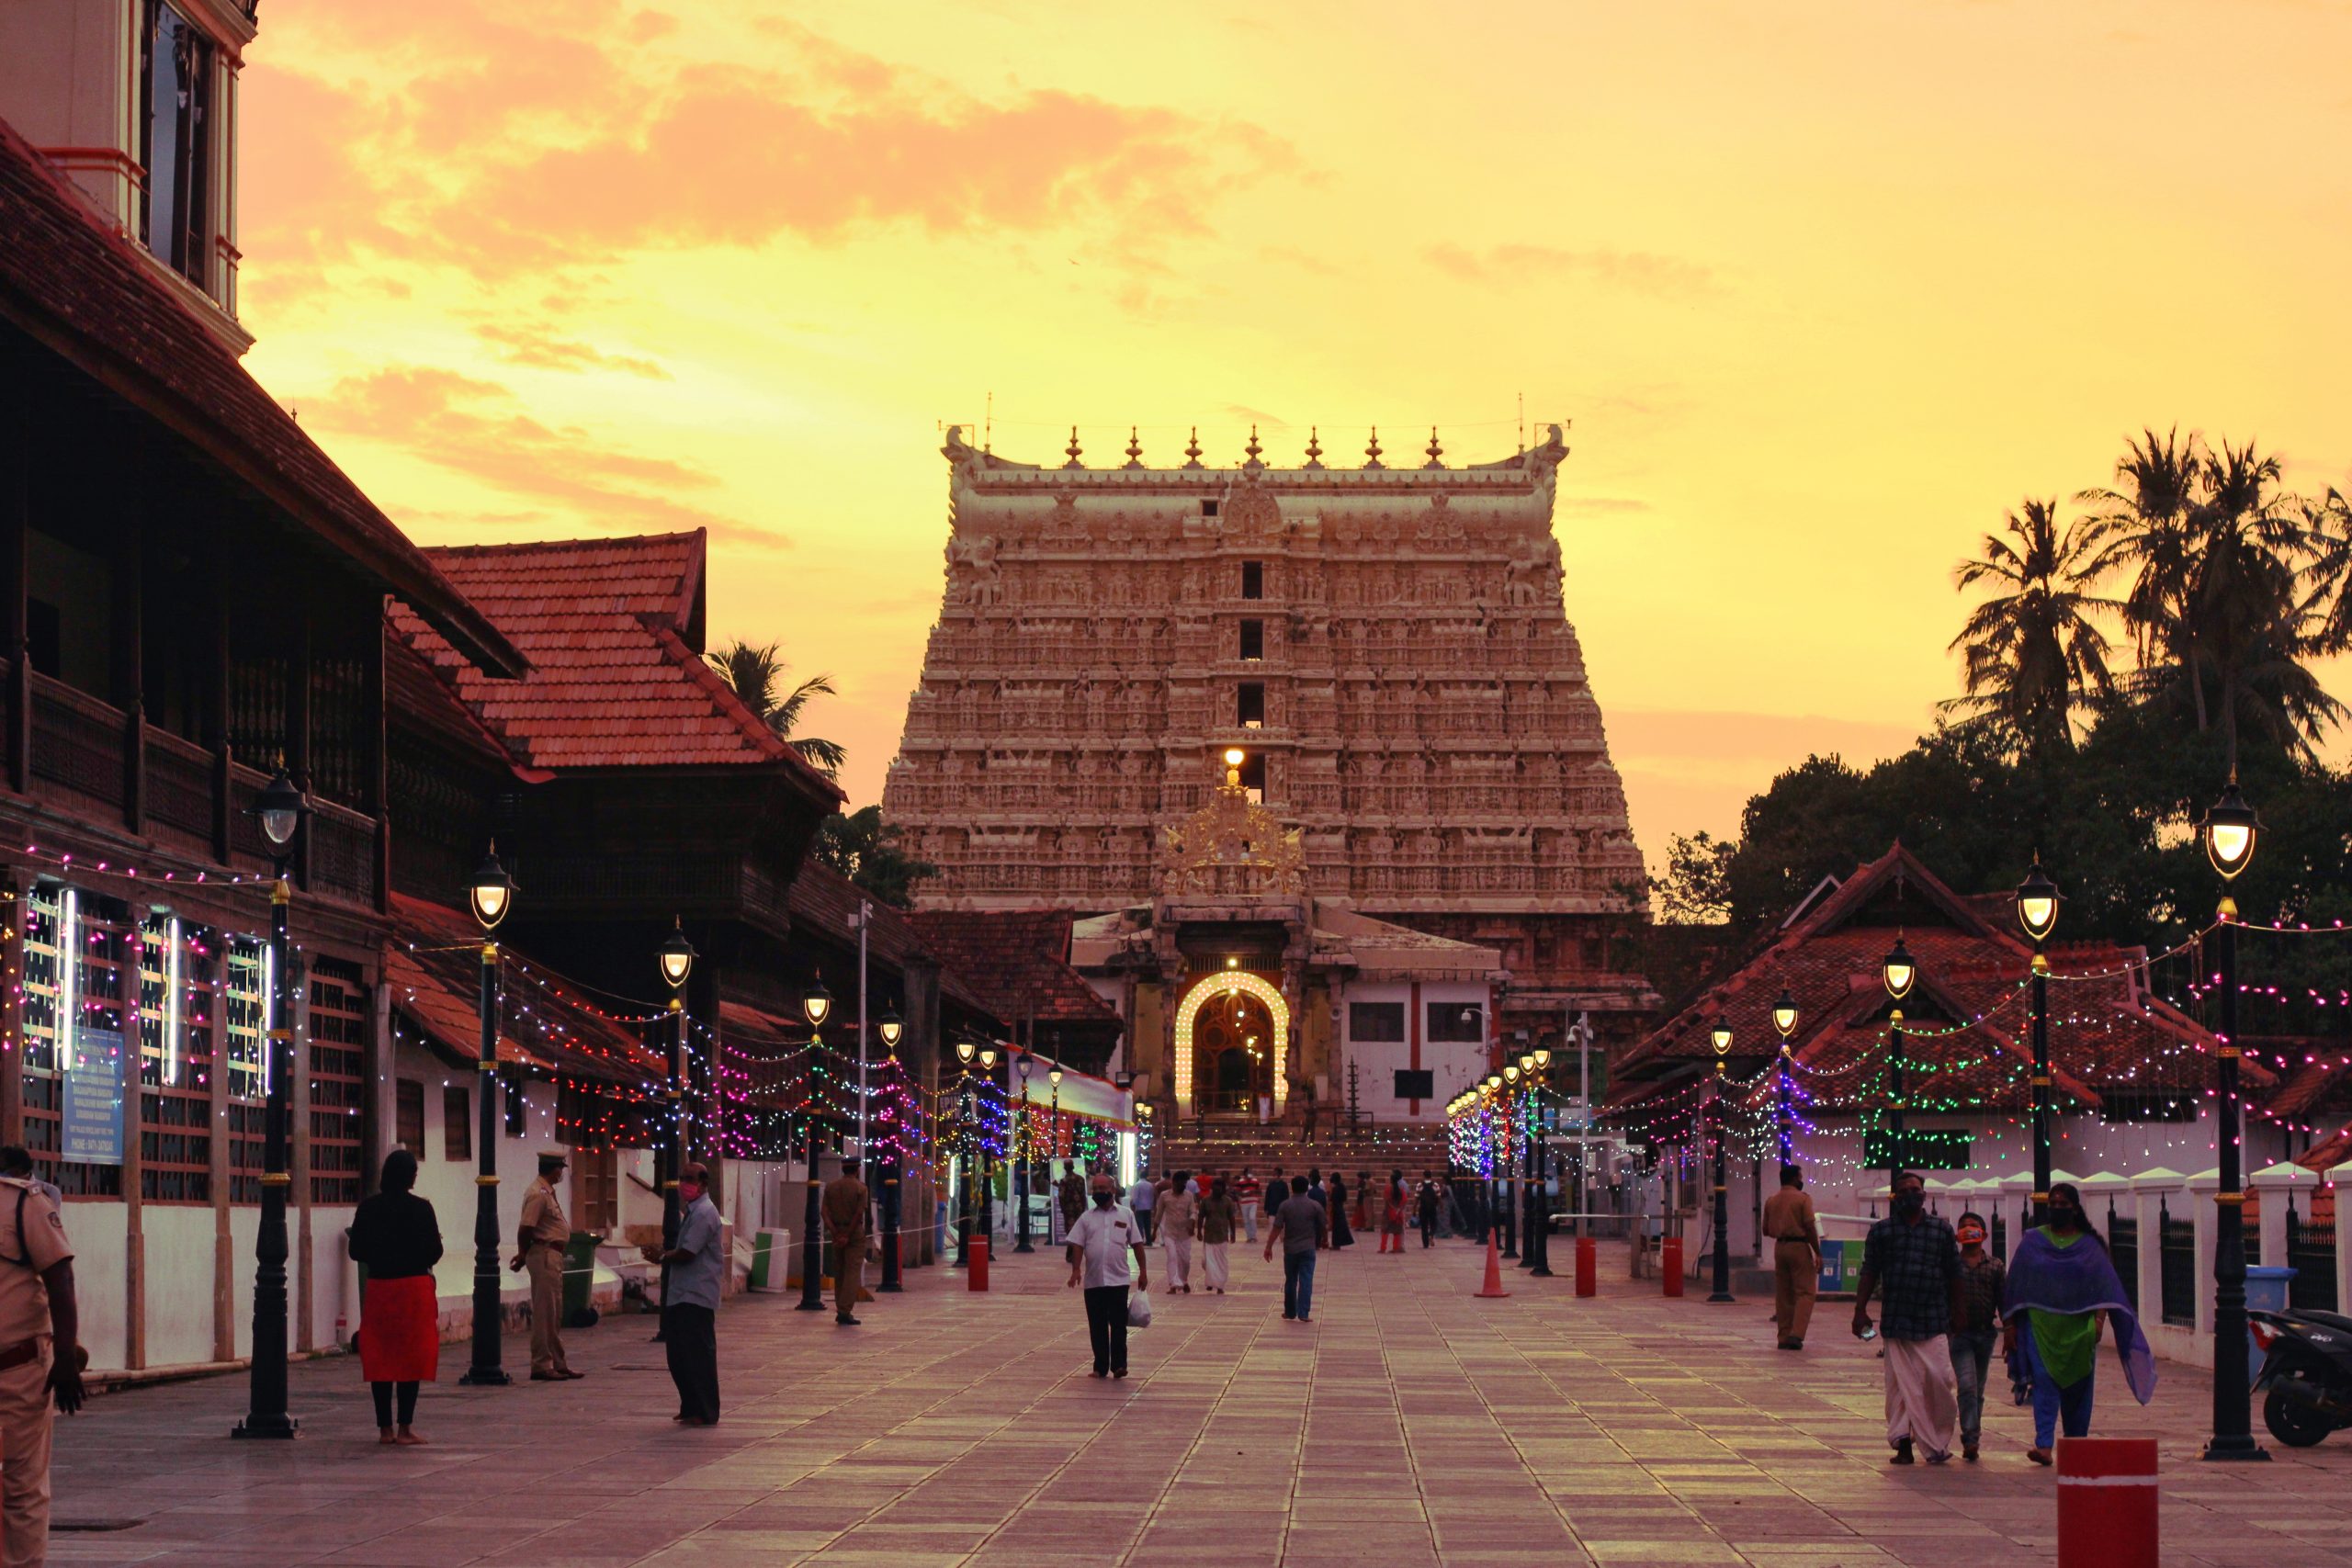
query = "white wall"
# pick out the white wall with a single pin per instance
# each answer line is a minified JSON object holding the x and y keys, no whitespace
{"x":179,"y":1283}
{"x":1454,"y":1065}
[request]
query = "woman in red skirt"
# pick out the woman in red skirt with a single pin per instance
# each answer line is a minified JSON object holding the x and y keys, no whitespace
{"x":395,"y":1238}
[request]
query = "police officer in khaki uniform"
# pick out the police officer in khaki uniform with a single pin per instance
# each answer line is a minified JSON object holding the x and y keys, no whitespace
{"x":41,"y":1358}
{"x":539,"y":1245}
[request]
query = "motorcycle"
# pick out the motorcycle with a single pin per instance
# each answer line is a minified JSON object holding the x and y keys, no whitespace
{"x":2306,"y":1382}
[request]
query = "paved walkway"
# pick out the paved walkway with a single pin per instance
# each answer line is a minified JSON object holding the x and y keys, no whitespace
{"x":1408,"y":1425}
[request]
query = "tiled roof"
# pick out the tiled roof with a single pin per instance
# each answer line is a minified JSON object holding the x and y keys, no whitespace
{"x":77,"y":287}
{"x":1016,"y":961}
{"x":612,"y":683}
{"x":433,"y":968}
{"x":2107,"y":1033}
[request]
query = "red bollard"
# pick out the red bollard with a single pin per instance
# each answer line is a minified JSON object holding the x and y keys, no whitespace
{"x":975,"y":1270}
{"x":2106,"y":1503}
{"x":1669,"y":1263}
{"x":1588,"y":1282}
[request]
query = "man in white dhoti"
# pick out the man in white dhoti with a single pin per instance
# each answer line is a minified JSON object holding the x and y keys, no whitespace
{"x":1174,"y":1220}
{"x":1914,"y":1257}
{"x":1219,"y":1218}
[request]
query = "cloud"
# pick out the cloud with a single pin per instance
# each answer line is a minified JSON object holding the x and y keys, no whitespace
{"x":1638,"y":272}
{"x":478,"y":428}
{"x":1603,"y":503}
{"x":541,"y":349}
{"x":1241,"y":412}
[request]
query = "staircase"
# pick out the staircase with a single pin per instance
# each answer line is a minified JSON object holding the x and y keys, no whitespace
{"x":1211,"y":1145}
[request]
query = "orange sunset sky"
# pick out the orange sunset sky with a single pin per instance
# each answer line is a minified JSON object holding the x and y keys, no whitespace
{"x":1822,"y":287}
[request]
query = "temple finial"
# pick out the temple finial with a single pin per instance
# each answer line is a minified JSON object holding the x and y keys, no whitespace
{"x":1372,"y":453}
{"x":1192,"y":450}
{"x":1134,"y":449}
{"x":1435,"y":450}
{"x":1252,"y":450}
{"x":1314,"y":449}
{"x":1073,"y":450}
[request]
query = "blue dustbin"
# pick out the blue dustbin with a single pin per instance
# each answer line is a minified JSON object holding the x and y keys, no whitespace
{"x":2266,"y":1291}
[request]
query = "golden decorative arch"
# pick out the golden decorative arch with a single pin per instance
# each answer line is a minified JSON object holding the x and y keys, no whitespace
{"x":1211,"y":987}
{"x":1232,"y":846}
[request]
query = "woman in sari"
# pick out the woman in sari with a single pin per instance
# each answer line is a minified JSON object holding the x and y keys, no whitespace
{"x":1392,"y":1214}
{"x":2062,"y":1291}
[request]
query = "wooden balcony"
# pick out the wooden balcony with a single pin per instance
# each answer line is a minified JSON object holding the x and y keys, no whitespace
{"x":90,"y":760}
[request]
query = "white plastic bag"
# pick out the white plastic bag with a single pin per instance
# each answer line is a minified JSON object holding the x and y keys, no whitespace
{"x":1138,"y":1308}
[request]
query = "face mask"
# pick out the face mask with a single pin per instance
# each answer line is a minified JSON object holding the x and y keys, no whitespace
{"x":1909,"y":1204}
{"x":1972,"y":1235}
{"x":2065,"y":1219}
{"x":690,"y":1190}
{"x":1106,"y":1199}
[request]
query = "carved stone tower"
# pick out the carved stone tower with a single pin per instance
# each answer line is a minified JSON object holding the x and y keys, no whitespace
{"x":1387,"y":647}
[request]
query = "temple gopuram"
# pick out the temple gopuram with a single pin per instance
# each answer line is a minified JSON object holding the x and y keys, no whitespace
{"x":1309,"y":752}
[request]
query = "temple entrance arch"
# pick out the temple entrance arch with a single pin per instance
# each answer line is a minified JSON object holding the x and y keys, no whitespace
{"x":1247,"y":1030}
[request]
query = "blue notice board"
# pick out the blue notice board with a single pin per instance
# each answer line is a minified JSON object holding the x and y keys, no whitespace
{"x":92,"y":1131}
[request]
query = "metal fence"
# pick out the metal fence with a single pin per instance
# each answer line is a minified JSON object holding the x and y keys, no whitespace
{"x":2123,"y":1248}
{"x":2311,"y":1252}
{"x":2177,"y":1239}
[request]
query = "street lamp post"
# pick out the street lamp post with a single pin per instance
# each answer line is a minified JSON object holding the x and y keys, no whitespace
{"x":816,"y":1006}
{"x":2229,"y":832}
{"x":1898,"y":970}
{"x":2037,"y":913}
{"x":1784,"y":1021}
{"x":492,"y":894}
{"x":964,"y":1154}
{"x":676,"y":957}
{"x":988,"y":1162}
{"x":894,"y":1169}
{"x":1720,"y":1038}
{"x":1023,"y":1159}
{"x":1538,"y":1248}
{"x":280,"y":809}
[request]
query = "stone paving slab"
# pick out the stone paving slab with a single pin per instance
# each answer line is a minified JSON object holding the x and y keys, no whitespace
{"x":1409,"y":1425}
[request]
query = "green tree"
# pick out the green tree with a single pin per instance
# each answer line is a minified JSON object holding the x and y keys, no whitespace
{"x":755,"y":674}
{"x":863,"y":847}
{"x":2032,"y":654}
{"x":1696,"y":889}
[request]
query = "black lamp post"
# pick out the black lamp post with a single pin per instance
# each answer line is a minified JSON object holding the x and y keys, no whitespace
{"x":963,"y":1049}
{"x":891,"y":1027}
{"x":676,"y":957}
{"x":2037,"y":913}
{"x":1024,"y":1159}
{"x":2229,"y":830}
{"x":1531,"y":1067}
{"x":1784,"y":1021}
{"x":280,"y":809}
{"x":490,"y":894}
{"x":1514,"y":1106}
{"x":988,"y":1164}
{"x":1720,"y":1038}
{"x":1498,"y":1186}
{"x":816,"y":1006}
{"x":1898,"y":971}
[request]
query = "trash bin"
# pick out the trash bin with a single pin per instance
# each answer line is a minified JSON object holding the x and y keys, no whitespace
{"x":2266,"y":1291}
{"x":580,"y":1280}
{"x":770,"y":1251}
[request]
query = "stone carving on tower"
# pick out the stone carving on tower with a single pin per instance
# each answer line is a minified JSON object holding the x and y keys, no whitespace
{"x":1232,"y":846}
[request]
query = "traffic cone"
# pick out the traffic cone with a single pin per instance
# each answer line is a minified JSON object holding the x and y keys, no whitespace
{"x":1493,"y":1288}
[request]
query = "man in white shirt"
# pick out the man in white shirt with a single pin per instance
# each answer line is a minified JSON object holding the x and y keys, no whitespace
{"x":1100,"y":1246}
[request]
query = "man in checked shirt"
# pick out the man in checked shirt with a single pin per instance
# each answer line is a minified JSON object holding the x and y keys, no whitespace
{"x":1914,"y":1256}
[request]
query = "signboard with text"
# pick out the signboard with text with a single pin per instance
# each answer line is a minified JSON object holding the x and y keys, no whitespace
{"x":91,"y":1130}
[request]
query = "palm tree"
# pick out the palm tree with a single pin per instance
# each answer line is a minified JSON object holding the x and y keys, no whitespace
{"x":2032,"y":653}
{"x":2247,"y":602}
{"x":2144,"y":527}
{"x":754,"y":673}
